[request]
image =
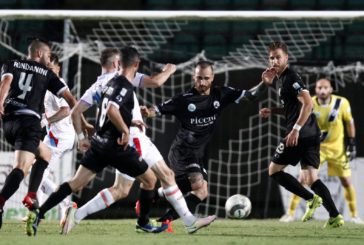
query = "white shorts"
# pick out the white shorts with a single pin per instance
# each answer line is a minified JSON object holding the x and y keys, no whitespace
{"x":144,"y":147}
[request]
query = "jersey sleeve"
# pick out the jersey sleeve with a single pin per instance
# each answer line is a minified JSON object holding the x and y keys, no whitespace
{"x":119,"y":96}
{"x":93,"y":94}
{"x":346,"y":110}
{"x":55,"y":85}
{"x":232,"y":95}
{"x":7,"y":69}
{"x":60,"y":101}
{"x":168,"y":107}
{"x":138,"y":80}
{"x":297,"y":86}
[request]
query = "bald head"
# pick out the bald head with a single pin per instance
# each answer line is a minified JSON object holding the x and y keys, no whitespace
{"x":323,"y":89}
{"x":39,"y":51}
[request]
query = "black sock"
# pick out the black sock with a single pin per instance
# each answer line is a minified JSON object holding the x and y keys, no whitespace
{"x":56,"y":197}
{"x":145,"y":198}
{"x":156,"y":195}
{"x":36,"y":175}
{"x":320,"y":189}
{"x":291,"y":184}
{"x":192,"y":202}
{"x":12,"y":183}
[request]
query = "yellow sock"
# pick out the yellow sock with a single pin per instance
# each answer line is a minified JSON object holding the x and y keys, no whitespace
{"x":350,"y":197}
{"x":295,"y":200}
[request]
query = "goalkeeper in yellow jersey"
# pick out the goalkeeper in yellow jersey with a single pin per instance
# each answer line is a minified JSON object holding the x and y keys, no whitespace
{"x":333,"y":115}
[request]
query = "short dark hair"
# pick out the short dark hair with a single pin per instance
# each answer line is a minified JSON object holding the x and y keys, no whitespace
{"x":107,"y":55}
{"x":277,"y":45}
{"x":129,"y":55}
{"x":54,"y":59}
{"x":204,"y":64}
{"x":37,"y":43}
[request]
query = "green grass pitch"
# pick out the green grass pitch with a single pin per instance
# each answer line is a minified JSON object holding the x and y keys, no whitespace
{"x":222,"y":231}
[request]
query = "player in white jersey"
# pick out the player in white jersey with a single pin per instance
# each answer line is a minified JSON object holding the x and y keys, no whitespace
{"x":149,"y":153}
{"x":60,"y":139}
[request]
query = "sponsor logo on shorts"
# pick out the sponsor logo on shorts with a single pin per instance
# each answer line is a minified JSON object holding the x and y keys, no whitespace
{"x":279,"y":150}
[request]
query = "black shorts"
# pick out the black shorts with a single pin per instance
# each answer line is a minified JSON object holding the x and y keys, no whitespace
{"x":307,"y":152}
{"x":126,"y":161}
{"x":23,"y":132}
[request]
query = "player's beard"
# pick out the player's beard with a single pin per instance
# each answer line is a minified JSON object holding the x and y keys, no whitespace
{"x":323,"y":96}
{"x":202,"y":89}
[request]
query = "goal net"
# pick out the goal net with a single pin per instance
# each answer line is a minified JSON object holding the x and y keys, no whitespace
{"x":241,"y":149}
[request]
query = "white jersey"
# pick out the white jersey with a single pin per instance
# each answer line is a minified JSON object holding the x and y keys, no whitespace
{"x":62,"y":129}
{"x":92,"y":95}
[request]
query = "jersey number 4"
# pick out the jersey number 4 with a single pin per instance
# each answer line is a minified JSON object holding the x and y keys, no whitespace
{"x":24,"y":84}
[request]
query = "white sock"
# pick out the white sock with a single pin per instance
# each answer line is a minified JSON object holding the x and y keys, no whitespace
{"x":63,"y":206}
{"x":102,"y":200}
{"x":175,"y":197}
{"x":160,"y":192}
{"x":47,"y":187}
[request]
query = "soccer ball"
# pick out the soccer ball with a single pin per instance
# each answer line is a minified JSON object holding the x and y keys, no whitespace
{"x":238,"y":207}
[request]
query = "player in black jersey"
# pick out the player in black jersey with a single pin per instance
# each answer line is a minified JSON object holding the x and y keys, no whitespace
{"x":109,"y":145}
{"x":22,"y":90}
{"x":197,"y":110}
{"x":302,"y":139}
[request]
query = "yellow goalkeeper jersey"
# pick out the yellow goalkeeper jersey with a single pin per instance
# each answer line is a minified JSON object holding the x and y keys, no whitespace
{"x":331,"y":120}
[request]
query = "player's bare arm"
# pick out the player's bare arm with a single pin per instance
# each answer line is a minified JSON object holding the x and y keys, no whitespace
{"x":62,"y":113}
{"x":159,"y":79}
{"x":306,"y":109}
{"x":115,"y":117}
{"x":76,"y":114}
{"x":66,"y":94}
{"x":4,"y":90}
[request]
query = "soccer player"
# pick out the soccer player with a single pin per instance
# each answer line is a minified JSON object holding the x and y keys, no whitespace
{"x":149,"y":153}
{"x":60,"y":138}
{"x":23,"y":86}
{"x":333,"y":113}
{"x":109,"y":146}
{"x":197,"y":110}
{"x":302,"y":139}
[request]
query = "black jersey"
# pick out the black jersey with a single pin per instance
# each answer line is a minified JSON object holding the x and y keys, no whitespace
{"x":119,"y":92}
{"x":198,"y":114}
{"x":30,"y":82}
{"x":290,"y":85}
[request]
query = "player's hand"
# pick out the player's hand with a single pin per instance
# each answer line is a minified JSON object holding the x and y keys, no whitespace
{"x":84,"y":145}
{"x":265,"y":112}
{"x":139,"y":124}
{"x":292,"y":138}
{"x":268,"y":76}
{"x":170,"y":68}
{"x":351,"y":149}
{"x":124,"y":140}
{"x":145,"y":111}
{"x":88,"y":129}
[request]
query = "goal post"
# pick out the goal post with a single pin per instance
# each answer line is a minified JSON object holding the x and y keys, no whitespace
{"x":179,"y":15}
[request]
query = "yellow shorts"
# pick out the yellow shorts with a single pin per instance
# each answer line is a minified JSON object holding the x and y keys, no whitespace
{"x":338,"y":163}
